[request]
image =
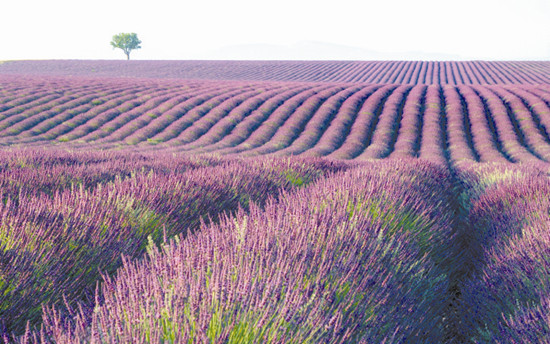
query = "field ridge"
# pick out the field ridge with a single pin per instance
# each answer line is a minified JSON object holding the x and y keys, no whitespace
{"x":373,"y":72}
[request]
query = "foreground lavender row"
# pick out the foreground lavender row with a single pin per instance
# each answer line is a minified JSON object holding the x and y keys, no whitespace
{"x":353,"y":258}
{"x":505,"y":294}
{"x":501,"y":123}
{"x":378,"y":72}
{"x":270,"y":250}
{"x":66,"y":218}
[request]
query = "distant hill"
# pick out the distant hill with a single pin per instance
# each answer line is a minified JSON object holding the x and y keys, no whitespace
{"x":394,"y":72}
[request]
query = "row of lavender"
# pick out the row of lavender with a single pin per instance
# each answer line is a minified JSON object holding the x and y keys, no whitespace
{"x":345,"y":121}
{"x":362,"y":256}
{"x":505,"y":294}
{"x":377,"y":72}
{"x":67,"y":217}
{"x":45,"y":109}
{"x":387,"y":251}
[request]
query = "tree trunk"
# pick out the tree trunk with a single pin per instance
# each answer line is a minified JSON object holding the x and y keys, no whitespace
{"x":128,"y":56}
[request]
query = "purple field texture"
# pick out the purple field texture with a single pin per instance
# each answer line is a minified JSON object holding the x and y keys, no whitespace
{"x":274,"y":202}
{"x":372,"y":72}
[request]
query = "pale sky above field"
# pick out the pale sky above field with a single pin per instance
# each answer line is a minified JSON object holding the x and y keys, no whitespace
{"x":283,"y":29}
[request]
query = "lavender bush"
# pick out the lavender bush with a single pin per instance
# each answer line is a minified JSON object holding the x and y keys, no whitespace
{"x":505,"y":296}
{"x":351,"y":258}
{"x":59,"y":232}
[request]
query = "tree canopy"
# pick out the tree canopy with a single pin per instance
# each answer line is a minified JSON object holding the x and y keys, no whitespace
{"x":127,"y":42}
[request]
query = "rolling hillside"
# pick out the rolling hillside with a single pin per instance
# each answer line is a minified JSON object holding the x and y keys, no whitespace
{"x":447,"y":111}
{"x":274,"y":202}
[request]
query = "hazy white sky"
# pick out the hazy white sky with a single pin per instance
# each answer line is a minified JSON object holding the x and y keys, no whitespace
{"x":467,"y":29}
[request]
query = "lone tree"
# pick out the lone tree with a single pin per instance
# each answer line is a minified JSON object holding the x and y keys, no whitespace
{"x":127,"y":42}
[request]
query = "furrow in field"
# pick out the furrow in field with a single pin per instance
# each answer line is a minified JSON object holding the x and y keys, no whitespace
{"x":340,"y":126}
{"x":487,"y":73}
{"x":375,"y":77}
{"x":309,"y":72}
{"x":104,"y":100}
{"x":500,"y":78}
{"x":416,"y":73}
{"x":539,"y":108}
{"x":385,"y":75}
{"x":479,"y":75}
{"x":391,"y":77}
{"x":411,"y":70}
{"x":399,"y":71}
{"x":491,"y":125}
{"x":510,"y":75}
{"x":161,"y":118}
{"x":303,"y":73}
{"x":53,"y":128}
{"x":511,"y":69}
{"x":409,"y":135}
{"x":81,"y":97}
{"x":120,"y":127}
{"x":244,"y":129}
{"x":504,"y":297}
{"x":444,"y":76}
{"x":433,"y":141}
{"x":371,"y":74}
{"x":186,"y":120}
{"x":442,"y":73}
{"x":298,"y":71}
{"x":201,"y":125}
{"x":474,"y":72}
{"x":89,"y":123}
{"x":485,"y":140}
{"x":544,"y":95}
{"x":288,"y":131}
{"x":430,"y":73}
{"x":336,"y":73}
{"x":455,"y":74}
{"x":526,"y":123}
{"x":516,"y":73}
{"x":263,"y":132}
{"x":387,"y":126}
{"x":359,"y":71}
{"x":423,"y":75}
{"x":360,"y":135}
{"x":215,"y":125}
{"x":530,"y":72}
{"x":512,"y":142}
{"x":348,"y":73}
{"x":93,"y":126}
{"x":404,"y":74}
{"x":17,"y":114}
{"x":319,"y":122}
{"x":459,"y":74}
{"x":362,"y":72}
{"x":461,"y":146}
{"x":108,"y":126}
{"x":22,"y":101}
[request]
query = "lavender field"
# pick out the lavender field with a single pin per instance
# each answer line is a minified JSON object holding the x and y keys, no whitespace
{"x":372,"y":72}
{"x":274,"y":202}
